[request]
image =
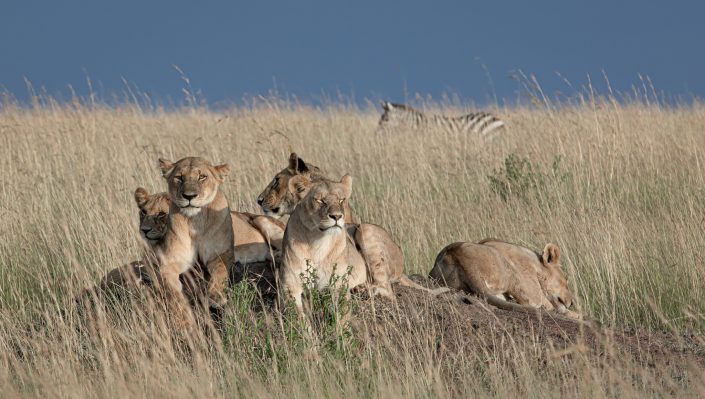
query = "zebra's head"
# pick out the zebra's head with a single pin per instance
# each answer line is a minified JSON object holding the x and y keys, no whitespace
{"x":393,"y":116}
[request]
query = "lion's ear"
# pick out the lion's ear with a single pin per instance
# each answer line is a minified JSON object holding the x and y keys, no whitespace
{"x":141,"y":196}
{"x":221,"y":171}
{"x":297,"y":165}
{"x":299,"y":186}
{"x":346,"y":181}
{"x":166,"y":166}
{"x":551,"y":254}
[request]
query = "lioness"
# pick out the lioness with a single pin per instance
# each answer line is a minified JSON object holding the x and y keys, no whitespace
{"x":277,"y":199}
{"x":317,"y":239}
{"x":253,"y":234}
{"x":199,"y":227}
{"x":498,"y":271}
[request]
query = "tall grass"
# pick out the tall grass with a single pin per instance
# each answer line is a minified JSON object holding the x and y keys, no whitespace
{"x":625,"y":204}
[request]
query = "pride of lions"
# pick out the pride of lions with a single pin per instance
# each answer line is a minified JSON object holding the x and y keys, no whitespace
{"x":191,"y":228}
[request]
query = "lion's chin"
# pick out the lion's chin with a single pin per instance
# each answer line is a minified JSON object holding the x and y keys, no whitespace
{"x":190,"y":211}
{"x":272,"y":214}
{"x":330,"y":229}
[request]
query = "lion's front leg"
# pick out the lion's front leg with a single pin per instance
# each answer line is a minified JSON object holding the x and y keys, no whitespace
{"x":170,"y":278}
{"x":290,"y":285}
{"x":218,"y":270}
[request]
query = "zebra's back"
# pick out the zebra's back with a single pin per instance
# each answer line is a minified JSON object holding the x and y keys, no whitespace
{"x":484,"y":124}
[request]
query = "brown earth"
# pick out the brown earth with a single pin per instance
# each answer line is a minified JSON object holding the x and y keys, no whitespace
{"x":466,"y":327}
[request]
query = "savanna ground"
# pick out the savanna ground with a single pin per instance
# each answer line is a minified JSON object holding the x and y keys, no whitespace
{"x":618,"y":185}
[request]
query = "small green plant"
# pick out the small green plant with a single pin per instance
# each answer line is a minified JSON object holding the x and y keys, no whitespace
{"x":329,"y":310}
{"x":520,"y":178}
{"x":273,"y":336}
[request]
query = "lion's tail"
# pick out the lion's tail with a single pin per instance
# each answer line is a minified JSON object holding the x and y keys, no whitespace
{"x":511,"y":306}
{"x":407,"y":282}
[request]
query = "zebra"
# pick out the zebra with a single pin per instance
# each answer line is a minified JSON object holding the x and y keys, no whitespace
{"x":400,"y":115}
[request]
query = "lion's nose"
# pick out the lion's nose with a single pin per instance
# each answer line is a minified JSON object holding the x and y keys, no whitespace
{"x":189,"y":197}
{"x":335,"y":216}
{"x":146,"y":229}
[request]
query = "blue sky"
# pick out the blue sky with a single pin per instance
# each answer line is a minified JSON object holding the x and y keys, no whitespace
{"x":369,"y":49}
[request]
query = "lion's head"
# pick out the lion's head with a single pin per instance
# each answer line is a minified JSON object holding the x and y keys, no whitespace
{"x":276,"y":199}
{"x":322,"y":204}
{"x":193,"y":182}
{"x":154,"y":210}
{"x":554,"y":282}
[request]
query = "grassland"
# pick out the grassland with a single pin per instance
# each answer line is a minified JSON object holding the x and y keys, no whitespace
{"x":619,"y":186}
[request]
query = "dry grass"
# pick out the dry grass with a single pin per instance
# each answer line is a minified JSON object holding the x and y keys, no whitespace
{"x":625,"y":204}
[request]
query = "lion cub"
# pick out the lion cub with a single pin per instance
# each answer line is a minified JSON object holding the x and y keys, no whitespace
{"x":498,"y":271}
{"x":199,"y":227}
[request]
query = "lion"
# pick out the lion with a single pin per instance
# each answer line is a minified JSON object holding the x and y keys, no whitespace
{"x":258,"y":238}
{"x":199,"y":228}
{"x":134,"y":276}
{"x":317,"y":240}
{"x":499,"y":271}
{"x":153,"y":213}
{"x":277,"y":199}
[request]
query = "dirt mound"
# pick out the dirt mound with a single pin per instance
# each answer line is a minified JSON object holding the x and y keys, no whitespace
{"x":463,"y":326}
{"x":461,"y":322}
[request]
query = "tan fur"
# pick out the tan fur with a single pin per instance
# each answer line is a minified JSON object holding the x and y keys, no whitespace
{"x":279,"y":199}
{"x":285,"y":191}
{"x":257,"y":237}
{"x":199,"y":228}
{"x":500,"y":271}
{"x":316,"y":239}
{"x":384,"y":259}
{"x":153,"y":216}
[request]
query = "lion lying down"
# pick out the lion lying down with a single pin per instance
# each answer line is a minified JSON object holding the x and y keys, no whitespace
{"x":500,"y":272}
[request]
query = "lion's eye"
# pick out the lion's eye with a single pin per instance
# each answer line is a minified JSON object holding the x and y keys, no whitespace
{"x":161,"y":215}
{"x":341,"y":201}
{"x":143,"y":213}
{"x":319,"y":201}
{"x":178,"y":179}
{"x":202,"y":177}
